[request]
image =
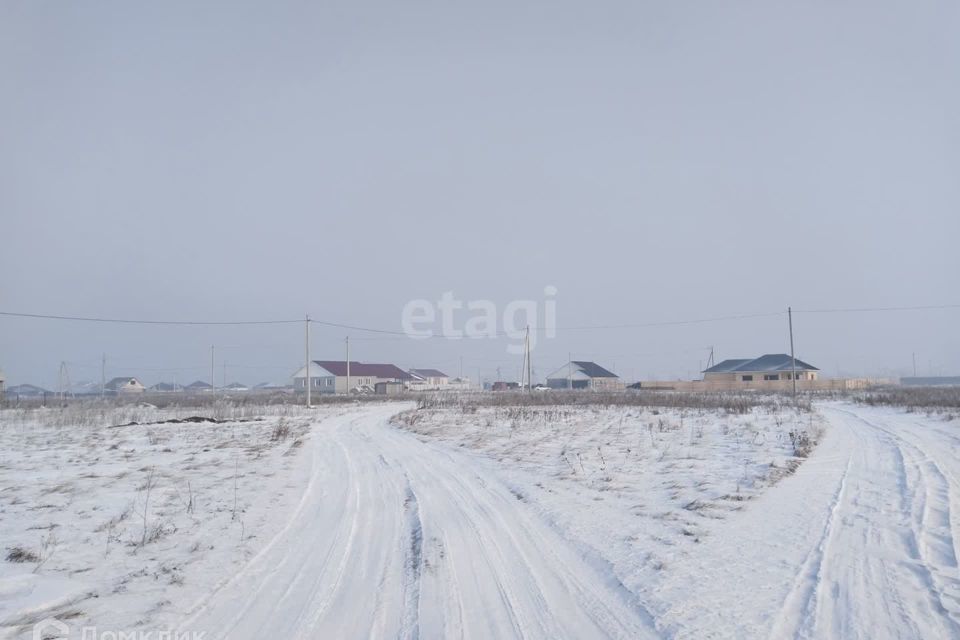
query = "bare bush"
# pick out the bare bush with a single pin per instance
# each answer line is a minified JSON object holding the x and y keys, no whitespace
{"x":22,"y":554}
{"x":731,"y":402}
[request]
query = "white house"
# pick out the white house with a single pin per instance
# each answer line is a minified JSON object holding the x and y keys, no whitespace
{"x":580,"y":374}
{"x":428,"y":380}
{"x":125,"y":385}
{"x":330,"y":376}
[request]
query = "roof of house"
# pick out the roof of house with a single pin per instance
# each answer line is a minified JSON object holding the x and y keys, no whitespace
{"x":199,"y":384}
{"x":164,"y":386}
{"x":593,"y":370}
{"x":116,"y":383}
{"x":357,"y":369}
{"x":768,"y":362}
{"x":428,"y":373}
{"x":26,"y":389}
{"x":727,"y":365}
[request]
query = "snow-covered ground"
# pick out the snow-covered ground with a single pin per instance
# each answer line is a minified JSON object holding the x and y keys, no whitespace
{"x":540,"y":522}
{"x":125,"y":527}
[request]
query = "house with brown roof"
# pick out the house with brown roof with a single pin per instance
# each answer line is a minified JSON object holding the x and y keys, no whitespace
{"x":334,"y":376}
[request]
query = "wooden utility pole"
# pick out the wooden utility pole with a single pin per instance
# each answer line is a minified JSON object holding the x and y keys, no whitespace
{"x":306,"y":326}
{"x":793,"y":359}
{"x":213,"y":381}
{"x":529,"y":366}
{"x":348,"y":365}
{"x":103,"y":375}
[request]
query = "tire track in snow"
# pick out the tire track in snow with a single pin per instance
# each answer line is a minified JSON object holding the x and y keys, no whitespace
{"x":883,"y":541}
{"x":354,"y":562}
{"x":797,"y":617}
{"x":931,"y":541}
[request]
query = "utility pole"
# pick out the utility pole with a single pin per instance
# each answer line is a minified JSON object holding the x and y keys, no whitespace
{"x":213,"y":381}
{"x":225,"y":375}
{"x":569,"y":370}
{"x":306,"y":326}
{"x":793,"y":359}
{"x":64,"y":382}
{"x":914,"y":364}
{"x":529,"y":365}
{"x":461,"y":368}
{"x":348,"y":365}
{"x":103,"y":375}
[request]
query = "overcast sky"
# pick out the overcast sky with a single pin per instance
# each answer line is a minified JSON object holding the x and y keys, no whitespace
{"x":654,"y":161}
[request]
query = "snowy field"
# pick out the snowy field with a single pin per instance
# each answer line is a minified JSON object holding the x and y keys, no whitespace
{"x":647,"y":480}
{"x":125,"y":527}
{"x":384,"y":521}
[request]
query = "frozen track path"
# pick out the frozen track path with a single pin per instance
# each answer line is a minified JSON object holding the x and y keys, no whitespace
{"x":860,"y":543}
{"x":396,"y":538}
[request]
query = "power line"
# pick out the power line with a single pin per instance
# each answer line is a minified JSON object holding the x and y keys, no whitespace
{"x":873,"y":309}
{"x":128,"y":321}
{"x":500,"y":334}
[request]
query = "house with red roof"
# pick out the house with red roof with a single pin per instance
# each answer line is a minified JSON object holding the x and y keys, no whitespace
{"x":339,"y":376}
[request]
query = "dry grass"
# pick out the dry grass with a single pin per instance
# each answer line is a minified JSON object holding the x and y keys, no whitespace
{"x":523,"y":404}
{"x":22,"y":554}
{"x":944,"y":399}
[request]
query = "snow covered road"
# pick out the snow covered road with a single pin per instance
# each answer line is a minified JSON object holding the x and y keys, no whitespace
{"x":395,"y":538}
{"x":399,"y":538}
{"x":860,"y":543}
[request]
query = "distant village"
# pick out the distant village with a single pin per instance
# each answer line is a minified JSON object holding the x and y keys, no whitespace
{"x":769,"y":372}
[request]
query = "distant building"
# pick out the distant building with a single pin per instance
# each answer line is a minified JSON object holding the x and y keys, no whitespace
{"x":121,"y":386}
{"x":388,"y":388}
{"x":26,"y":391}
{"x":237,"y":386}
{"x":582,"y":374}
{"x":330,"y":376}
{"x":428,"y":380}
{"x":772,"y":367}
{"x":931,"y":381}
{"x":198,"y":386}
{"x":460,"y":384}
{"x":3,"y":383}
{"x":165,"y":387}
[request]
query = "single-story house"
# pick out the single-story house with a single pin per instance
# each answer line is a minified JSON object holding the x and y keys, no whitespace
{"x":330,"y":376}
{"x":125,"y":385}
{"x":198,"y":386}
{"x":581,"y":374}
{"x":428,"y":380}
{"x":26,"y":390}
{"x":767,"y":368}
{"x":166,"y":387}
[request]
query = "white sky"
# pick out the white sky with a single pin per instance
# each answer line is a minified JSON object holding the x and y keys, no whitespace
{"x":653,"y":161}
